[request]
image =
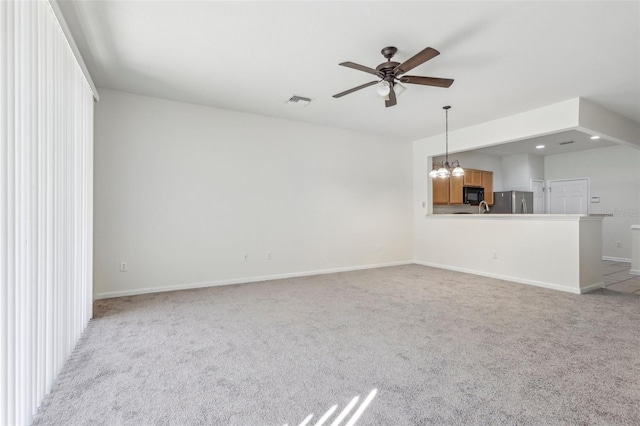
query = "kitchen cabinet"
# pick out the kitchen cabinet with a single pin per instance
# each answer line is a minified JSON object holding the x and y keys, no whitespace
{"x":449,"y":191}
{"x":455,"y":189}
{"x":472,"y":177}
{"x":440,"y":191}
{"x":487,"y":184}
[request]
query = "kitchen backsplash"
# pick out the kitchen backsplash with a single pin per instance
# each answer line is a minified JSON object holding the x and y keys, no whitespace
{"x":462,"y":208}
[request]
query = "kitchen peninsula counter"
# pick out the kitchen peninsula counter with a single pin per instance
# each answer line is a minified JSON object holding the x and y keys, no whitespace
{"x":556,"y":251}
{"x":551,"y":217}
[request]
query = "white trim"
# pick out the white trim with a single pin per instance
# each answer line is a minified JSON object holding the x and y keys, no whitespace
{"x":514,"y":279}
{"x":592,"y":287}
{"x":634,"y":271}
{"x":617,"y":259}
{"x":246,"y":280}
{"x":544,"y":192}
{"x":72,"y":45}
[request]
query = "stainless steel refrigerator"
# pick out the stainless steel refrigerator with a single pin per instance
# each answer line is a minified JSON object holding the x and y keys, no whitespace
{"x":512,"y":202}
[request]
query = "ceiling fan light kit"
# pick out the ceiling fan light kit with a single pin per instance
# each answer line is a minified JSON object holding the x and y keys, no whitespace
{"x":446,"y":169}
{"x":383,"y":89}
{"x":390,"y":72}
{"x":399,"y":88}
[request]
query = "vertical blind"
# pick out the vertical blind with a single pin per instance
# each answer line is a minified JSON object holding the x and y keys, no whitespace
{"x":46,"y":177}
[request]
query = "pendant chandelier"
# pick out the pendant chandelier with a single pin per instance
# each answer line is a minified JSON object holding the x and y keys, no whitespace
{"x":444,"y":170}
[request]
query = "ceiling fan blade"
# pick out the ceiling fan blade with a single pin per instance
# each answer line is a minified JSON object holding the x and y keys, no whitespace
{"x":361,"y":68}
{"x":392,"y":99}
{"x":417,"y":59}
{"x":427,"y":81}
{"x":362,"y":86}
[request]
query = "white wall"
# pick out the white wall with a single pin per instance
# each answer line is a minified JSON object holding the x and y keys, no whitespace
{"x":536,"y":168}
{"x":553,"y":251}
{"x":183,"y":191}
{"x":519,"y":169}
{"x":619,"y":191}
{"x":596,"y":120}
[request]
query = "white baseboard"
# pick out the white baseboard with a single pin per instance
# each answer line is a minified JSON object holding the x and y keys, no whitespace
{"x":134,"y":292}
{"x":591,"y":287}
{"x":513,"y":279}
{"x":617,"y":259}
{"x":634,"y":271}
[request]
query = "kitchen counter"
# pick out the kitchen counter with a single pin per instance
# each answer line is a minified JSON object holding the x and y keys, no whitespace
{"x":492,"y":216}
{"x":556,"y":251}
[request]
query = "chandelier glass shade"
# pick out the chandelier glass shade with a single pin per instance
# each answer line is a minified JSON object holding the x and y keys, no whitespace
{"x":446,"y":169}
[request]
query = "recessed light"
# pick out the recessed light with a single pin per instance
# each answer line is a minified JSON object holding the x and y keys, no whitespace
{"x":595,"y":137}
{"x":539,"y":146}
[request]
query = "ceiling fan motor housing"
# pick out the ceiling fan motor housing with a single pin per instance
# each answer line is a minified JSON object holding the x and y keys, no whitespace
{"x":386,"y":70}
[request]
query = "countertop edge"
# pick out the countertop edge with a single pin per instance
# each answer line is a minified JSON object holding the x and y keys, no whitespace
{"x":548,"y":217}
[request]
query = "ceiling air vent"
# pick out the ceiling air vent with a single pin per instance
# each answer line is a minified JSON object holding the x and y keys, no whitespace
{"x":299,"y":100}
{"x":565,"y":143}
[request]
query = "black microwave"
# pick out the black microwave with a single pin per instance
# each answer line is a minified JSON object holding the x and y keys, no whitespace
{"x":472,"y":195}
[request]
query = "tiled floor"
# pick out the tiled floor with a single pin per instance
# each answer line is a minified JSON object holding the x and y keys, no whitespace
{"x":616,"y":277}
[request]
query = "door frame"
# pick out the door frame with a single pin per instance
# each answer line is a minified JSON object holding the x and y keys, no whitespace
{"x":544,"y":193}
{"x":548,"y":196}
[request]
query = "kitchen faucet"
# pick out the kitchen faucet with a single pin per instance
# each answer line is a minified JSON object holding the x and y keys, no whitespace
{"x":486,"y":207}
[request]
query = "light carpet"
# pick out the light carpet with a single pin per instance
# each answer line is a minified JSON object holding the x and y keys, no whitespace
{"x":440,"y":347}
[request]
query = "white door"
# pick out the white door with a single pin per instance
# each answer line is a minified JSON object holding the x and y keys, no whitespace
{"x":569,"y":196}
{"x":537,"y":186}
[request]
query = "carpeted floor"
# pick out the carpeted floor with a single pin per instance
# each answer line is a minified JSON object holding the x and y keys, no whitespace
{"x":440,"y":347}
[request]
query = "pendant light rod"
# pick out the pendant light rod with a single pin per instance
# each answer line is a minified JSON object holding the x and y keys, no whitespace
{"x":446,"y":133}
{"x":444,"y":169}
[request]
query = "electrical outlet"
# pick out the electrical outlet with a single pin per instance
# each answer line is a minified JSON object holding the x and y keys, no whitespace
{"x":494,"y":255}
{"x":619,"y":244}
{"x":269,"y":255}
{"x":245,"y":257}
{"x":123,"y":267}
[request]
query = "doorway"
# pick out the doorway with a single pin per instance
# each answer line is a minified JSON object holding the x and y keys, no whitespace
{"x":569,"y":196}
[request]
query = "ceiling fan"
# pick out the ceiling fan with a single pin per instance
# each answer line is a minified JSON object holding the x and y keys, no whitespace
{"x":390,"y":73}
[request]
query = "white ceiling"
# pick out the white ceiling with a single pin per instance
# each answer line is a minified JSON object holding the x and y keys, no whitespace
{"x":553,"y":144}
{"x":505,"y":57}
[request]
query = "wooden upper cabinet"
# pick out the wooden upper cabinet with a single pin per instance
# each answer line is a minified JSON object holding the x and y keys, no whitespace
{"x":440,"y":190}
{"x":487,"y":184}
{"x":450,"y":190}
{"x":472,"y":177}
{"x":455,"y":189}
